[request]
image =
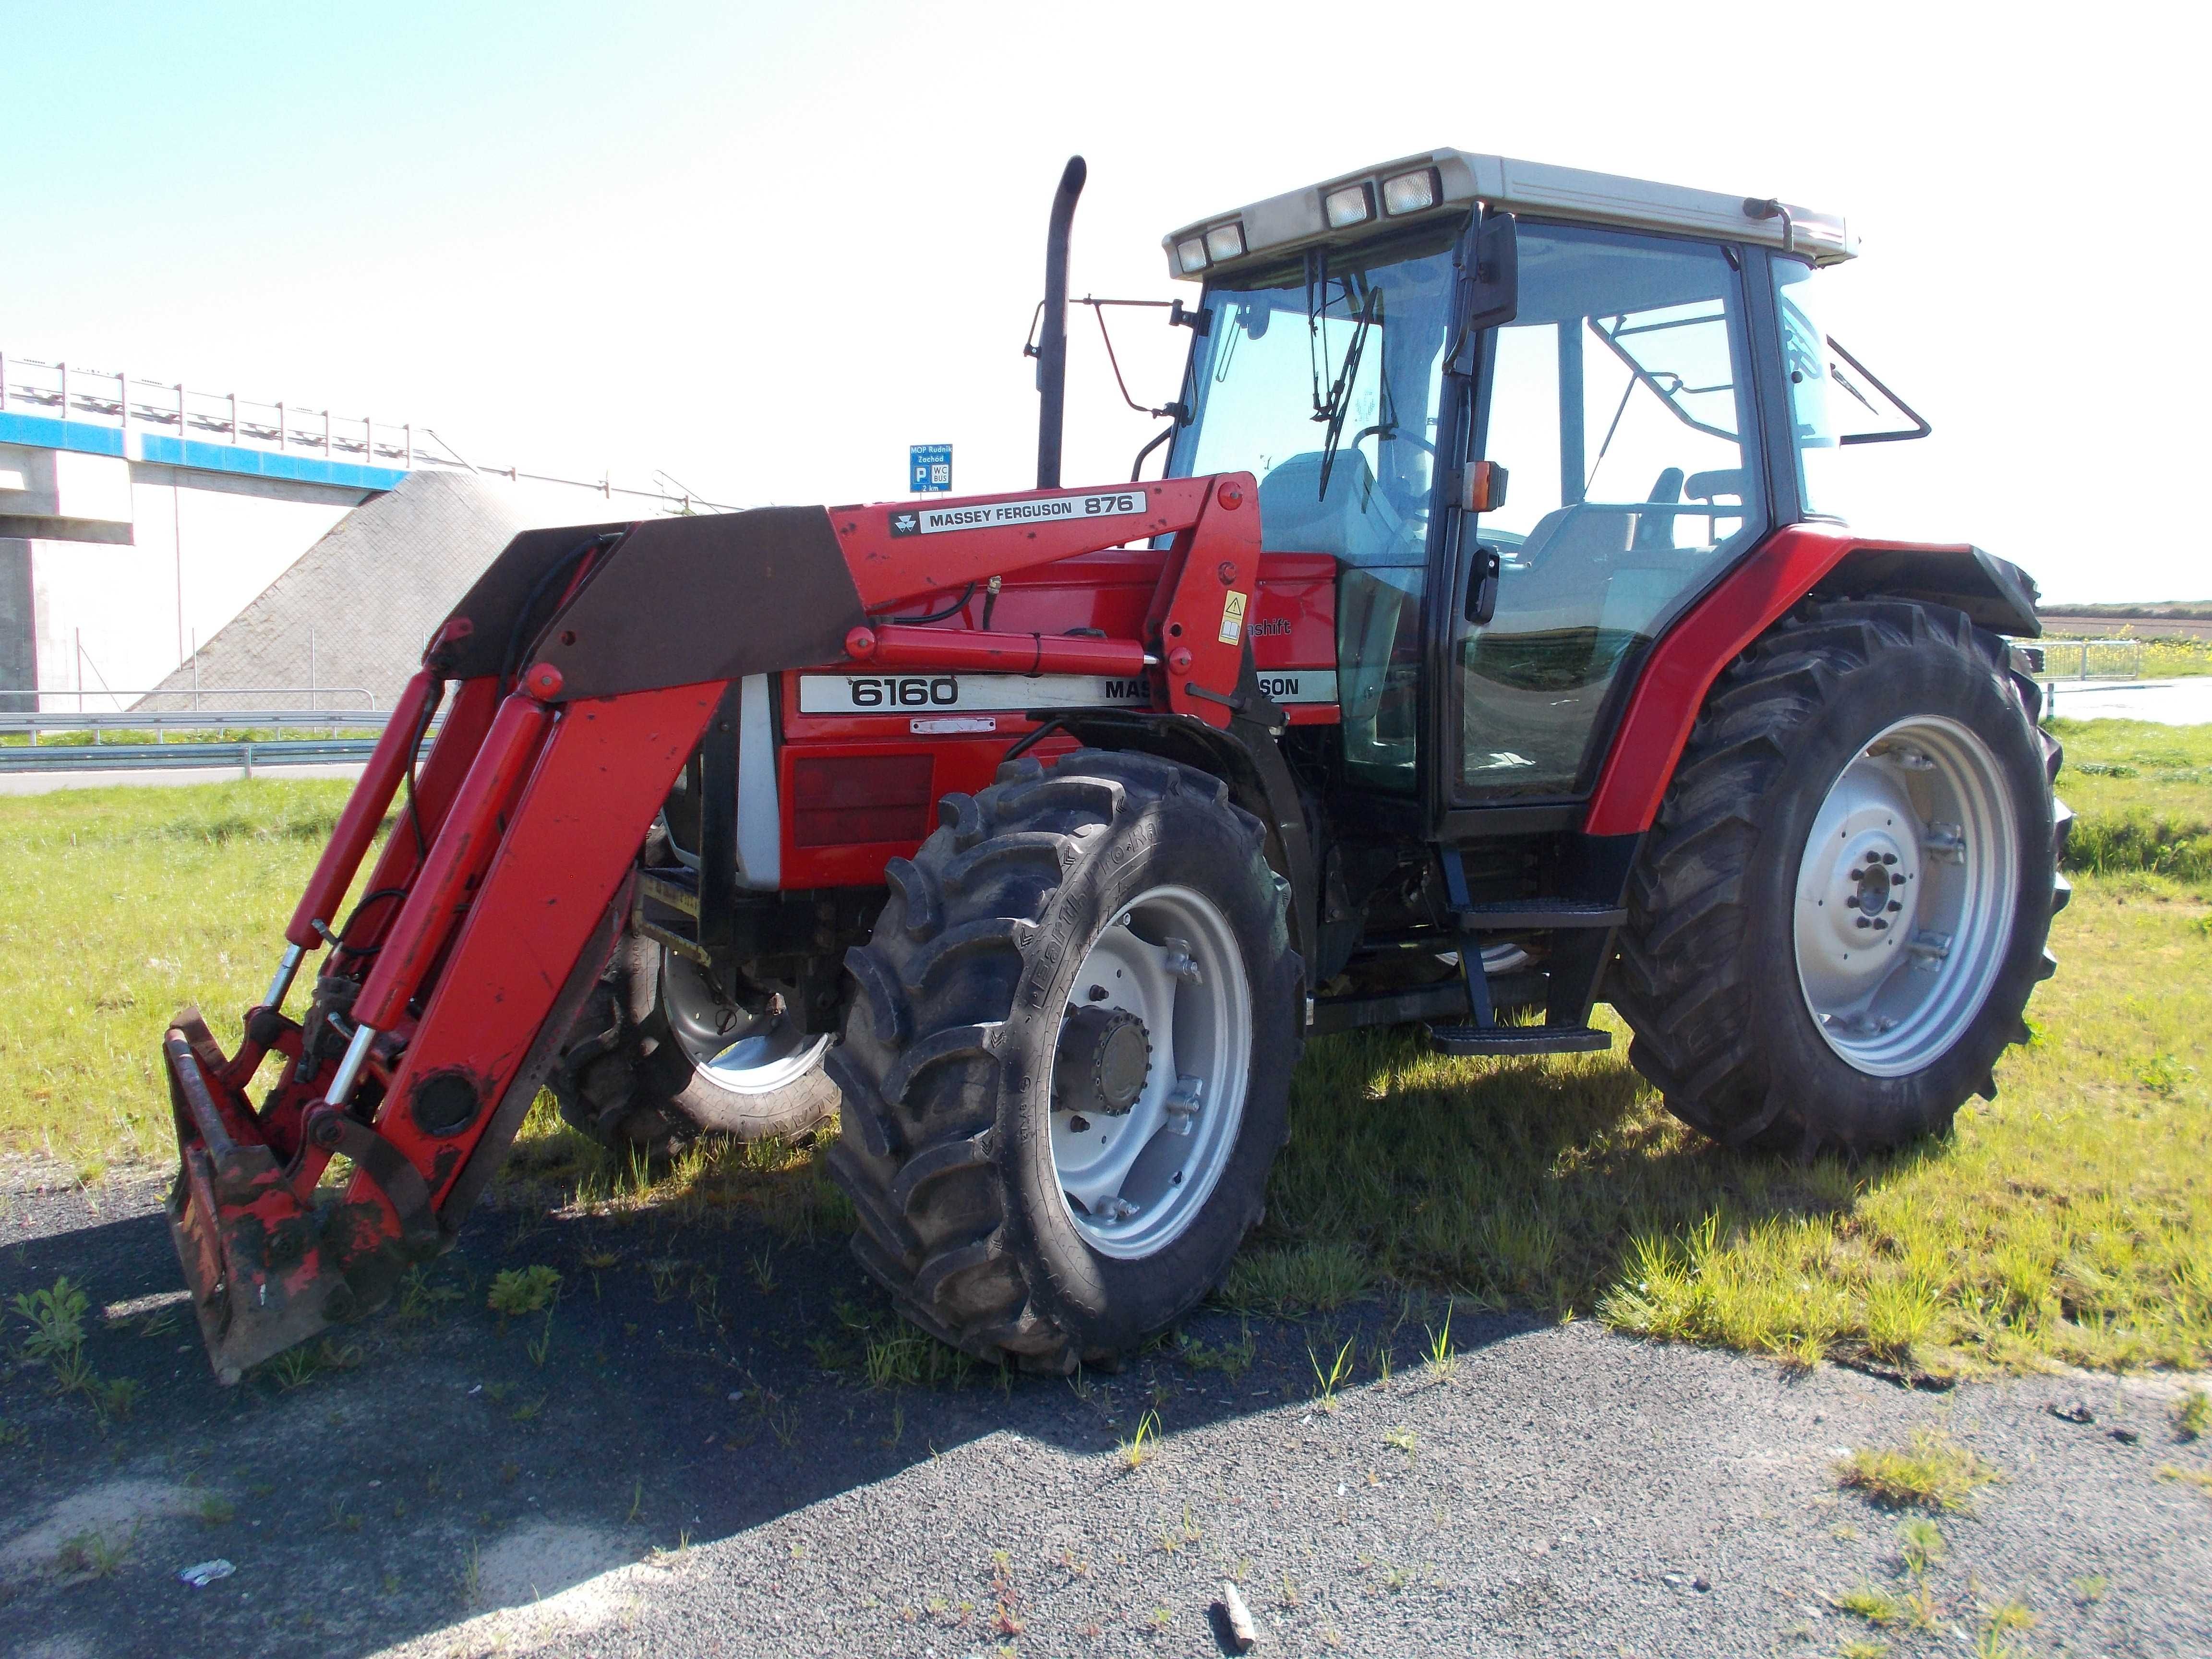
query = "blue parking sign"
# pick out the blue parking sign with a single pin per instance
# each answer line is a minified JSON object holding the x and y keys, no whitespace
{"x":929,"y":466}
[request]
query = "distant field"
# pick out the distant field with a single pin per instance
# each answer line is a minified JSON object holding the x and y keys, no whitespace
{"x":2069,"y":1220}
{"x":2162,"y":610}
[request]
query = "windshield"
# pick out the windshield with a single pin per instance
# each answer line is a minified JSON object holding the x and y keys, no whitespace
{"x":1319,"y":375}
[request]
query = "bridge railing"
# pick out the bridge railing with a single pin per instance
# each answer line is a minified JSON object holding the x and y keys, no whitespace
{"x":71,"y":392}
{"x":113,"y":398}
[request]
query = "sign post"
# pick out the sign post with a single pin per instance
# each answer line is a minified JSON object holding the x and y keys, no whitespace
{"x":929,"y":467}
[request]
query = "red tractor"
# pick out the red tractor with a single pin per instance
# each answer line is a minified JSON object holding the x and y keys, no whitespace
{"x":1035,"y":833}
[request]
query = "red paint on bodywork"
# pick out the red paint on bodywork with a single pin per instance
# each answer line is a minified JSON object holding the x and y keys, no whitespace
{"x":1683,"y":665}
{"x":570,"y":841}
{"x":1200,"y":602}
{"x":465,"y":844}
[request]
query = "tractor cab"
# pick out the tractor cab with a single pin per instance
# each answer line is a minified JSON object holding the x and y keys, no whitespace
{"x":1636,"y":359}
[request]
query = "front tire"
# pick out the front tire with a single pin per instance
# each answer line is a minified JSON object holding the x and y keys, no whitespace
{"x":1068,"y":1069}
{"x":656,"y":1058}
{"x":1837,"y":918}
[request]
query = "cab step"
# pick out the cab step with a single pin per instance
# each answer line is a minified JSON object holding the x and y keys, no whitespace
{"x":1519,"y":1039}
{"x":1520,"y":914}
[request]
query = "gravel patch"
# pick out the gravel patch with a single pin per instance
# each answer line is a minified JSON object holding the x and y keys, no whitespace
{"x":680,"y":1474}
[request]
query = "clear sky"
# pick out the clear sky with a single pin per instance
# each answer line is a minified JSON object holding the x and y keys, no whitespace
{"x":765,"y":248}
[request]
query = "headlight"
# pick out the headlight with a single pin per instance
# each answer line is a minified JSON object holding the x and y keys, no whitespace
{"x":1352,"y":204}
{"x":1409,"y":192}
{"x":1190,"y":254}
{"x":1225,"y":241}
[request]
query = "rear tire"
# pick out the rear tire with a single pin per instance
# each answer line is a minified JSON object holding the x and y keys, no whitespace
{"x":949,"y":1062}
{"x":1864,"y":791}
{"x":651,"y":1061}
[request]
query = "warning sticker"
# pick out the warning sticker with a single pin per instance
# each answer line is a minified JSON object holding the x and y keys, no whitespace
{"x":1232,"y":616}
{"x":1007,"y":515}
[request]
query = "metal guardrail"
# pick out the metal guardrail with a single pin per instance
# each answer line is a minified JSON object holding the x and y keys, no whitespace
{"x":163,"y":722}
{"x":147,"y":757}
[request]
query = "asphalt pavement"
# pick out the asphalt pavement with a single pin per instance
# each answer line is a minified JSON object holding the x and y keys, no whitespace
{"x":694,"y":1461}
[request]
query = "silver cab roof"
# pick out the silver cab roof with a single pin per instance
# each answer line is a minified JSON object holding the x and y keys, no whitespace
{"x":1285,"y":223}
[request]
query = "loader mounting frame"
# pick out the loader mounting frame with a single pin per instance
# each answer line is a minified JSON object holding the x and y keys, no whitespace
{"x":509,"y":872}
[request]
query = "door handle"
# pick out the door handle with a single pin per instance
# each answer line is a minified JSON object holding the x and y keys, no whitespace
{"x":1482,"y":585}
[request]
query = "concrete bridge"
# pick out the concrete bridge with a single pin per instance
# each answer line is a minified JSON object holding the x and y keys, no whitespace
{"x":139,"y":519}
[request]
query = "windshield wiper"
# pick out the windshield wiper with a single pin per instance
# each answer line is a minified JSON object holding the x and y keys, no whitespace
{"x":1339,"y":403}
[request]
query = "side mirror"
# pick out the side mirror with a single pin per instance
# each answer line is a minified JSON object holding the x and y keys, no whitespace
{"x":1490,"y":261}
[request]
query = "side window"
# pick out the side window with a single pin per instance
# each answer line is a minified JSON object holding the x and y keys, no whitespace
{"x":1618,"y":400}
{"x":1805,"y":360}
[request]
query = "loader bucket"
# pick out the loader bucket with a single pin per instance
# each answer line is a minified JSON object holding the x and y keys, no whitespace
{"x":265,"y":1268}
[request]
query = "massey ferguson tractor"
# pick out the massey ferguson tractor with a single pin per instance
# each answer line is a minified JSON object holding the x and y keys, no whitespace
{"x":1033,"y":834}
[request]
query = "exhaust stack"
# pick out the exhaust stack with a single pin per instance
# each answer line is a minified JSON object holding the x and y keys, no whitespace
{"x":1052,"y":339}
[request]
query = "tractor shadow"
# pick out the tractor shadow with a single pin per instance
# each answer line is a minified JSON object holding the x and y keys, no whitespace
{"x":715,"y":1358}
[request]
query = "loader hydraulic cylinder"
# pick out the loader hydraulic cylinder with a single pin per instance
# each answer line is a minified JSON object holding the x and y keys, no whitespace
{"x":364,"y":810}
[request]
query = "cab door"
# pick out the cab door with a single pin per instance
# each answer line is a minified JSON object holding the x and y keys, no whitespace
{"x":1618,"y":398}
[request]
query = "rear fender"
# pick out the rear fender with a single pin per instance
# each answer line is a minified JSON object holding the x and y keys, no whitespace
{"x":1796,"y":561}
{"x":1995,"y":594}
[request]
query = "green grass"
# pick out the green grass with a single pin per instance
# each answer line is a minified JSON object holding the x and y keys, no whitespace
{"x":2068,"y":1221}
{"x":2142,"y":797}
{"x":1931,"y":1471}
{"x":118,"y":906}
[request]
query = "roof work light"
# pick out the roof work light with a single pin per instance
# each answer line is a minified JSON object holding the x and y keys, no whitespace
{"x":1351,"y":204}
{"x":1410,"y":192}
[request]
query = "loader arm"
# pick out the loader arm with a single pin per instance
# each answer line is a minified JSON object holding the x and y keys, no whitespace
{"x":585,"y":666}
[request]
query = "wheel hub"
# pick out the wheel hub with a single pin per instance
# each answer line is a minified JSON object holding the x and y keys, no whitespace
{"x":1863,"y":882}
{"x":1103,"y":1061}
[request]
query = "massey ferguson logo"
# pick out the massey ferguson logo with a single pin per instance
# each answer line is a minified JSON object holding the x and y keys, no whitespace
{"x":1030,"y":511}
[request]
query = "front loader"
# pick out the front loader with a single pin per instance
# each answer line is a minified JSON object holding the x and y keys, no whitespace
{"x":1034,"y":833}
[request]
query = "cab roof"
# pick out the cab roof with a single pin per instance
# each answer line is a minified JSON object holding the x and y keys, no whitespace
{"x":1455,"y":178}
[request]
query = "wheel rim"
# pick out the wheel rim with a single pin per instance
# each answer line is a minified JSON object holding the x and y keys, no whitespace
{"x":1905,"y":895}
{"x":1132,"y":1181}
{"x":747,"y":1051}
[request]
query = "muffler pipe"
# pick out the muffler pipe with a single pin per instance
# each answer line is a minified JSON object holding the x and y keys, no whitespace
{"x":1052,"y":337}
